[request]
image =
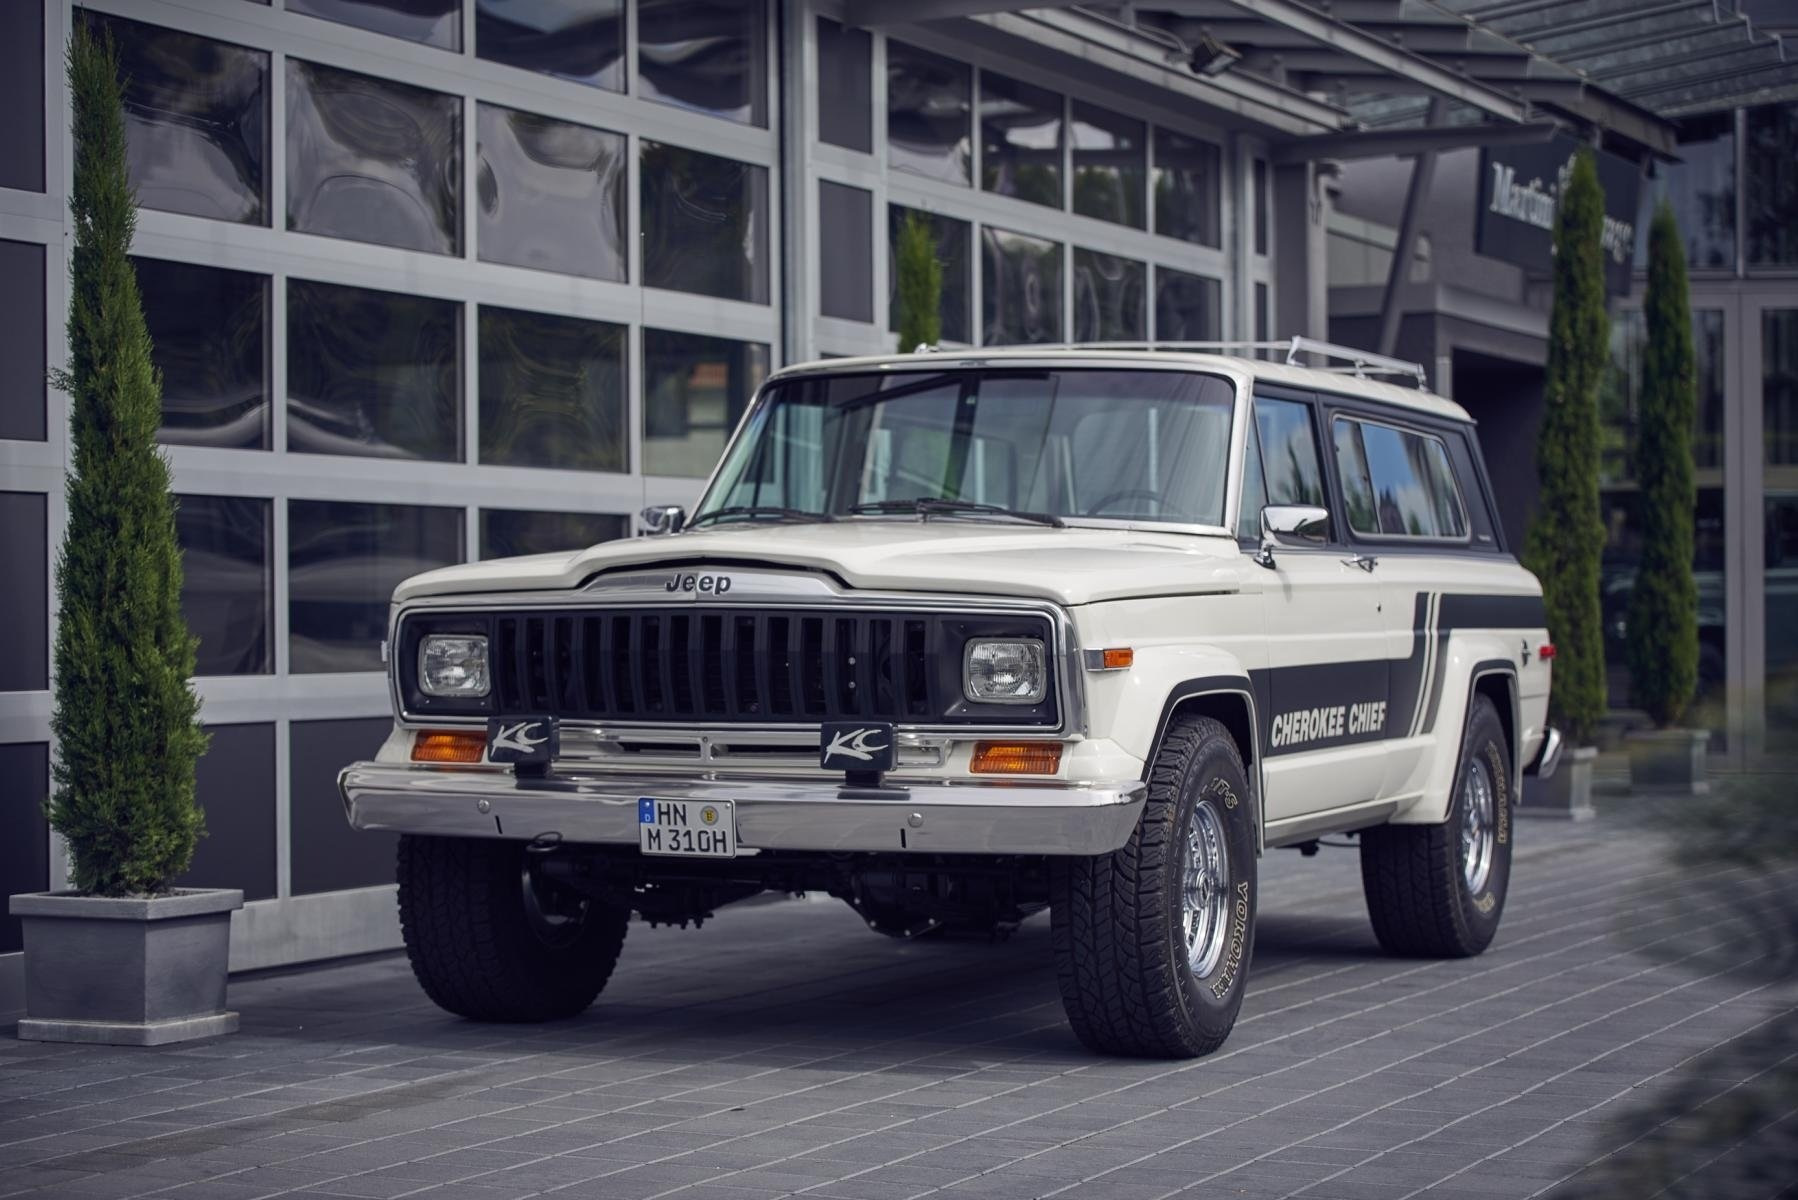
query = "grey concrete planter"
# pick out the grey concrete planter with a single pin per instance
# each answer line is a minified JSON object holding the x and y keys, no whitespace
{"x":126,"y":971}
{"x":1567,"y":793}
{"x":1669,"y":761}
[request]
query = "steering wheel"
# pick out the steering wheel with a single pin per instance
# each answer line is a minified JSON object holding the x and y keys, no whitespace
{"x":1098,"y":507}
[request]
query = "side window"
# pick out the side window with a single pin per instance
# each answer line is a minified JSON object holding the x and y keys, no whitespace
{"x":1397,"y":483}
{"x":1289,"y":459}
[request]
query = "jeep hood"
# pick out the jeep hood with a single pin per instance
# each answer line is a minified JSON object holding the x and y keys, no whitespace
{"x":1069,"y":566}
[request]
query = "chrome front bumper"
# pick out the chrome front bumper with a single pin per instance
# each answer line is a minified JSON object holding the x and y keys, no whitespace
{"x":952,"y":817}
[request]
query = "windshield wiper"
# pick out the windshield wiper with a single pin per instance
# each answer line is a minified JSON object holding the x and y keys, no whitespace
{"x":926,"y":506}
{"x":756,"y":512}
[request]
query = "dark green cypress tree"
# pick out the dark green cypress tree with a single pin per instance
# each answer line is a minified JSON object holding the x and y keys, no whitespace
{"x":920,"y":284}
{"x":1566,"y":537}
{"x":1663,"y":607}
{"x":125,"y":716}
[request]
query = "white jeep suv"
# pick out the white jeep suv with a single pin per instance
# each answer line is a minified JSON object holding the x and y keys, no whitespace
{"x":958,"y":637}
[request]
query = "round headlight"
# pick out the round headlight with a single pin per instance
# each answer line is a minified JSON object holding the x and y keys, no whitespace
{"x":453,"y":664}
{"x":1005,"y":672}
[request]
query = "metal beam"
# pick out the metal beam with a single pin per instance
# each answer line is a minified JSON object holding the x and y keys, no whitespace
{"x":1594,"y":104}
{"x":1388,"y":143}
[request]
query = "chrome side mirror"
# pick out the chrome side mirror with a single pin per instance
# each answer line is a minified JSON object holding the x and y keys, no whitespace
{"x":661,"y":519}
{"x":1291,"y":525}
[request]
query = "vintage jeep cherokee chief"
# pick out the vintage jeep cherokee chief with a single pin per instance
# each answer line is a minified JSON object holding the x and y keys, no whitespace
{"x":957,"y":637}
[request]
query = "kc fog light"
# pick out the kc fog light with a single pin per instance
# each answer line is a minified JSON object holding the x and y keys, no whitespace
{"x":453,"y":664}
{"x":1008,"y":672}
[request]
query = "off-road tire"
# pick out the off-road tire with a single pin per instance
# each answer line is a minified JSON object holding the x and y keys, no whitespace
{"x":1418,"y":894}
{"x":475,"y":947}
{"x":1116,"y":919}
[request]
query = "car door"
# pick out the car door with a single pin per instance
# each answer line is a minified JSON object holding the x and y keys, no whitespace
{"x":1326,"y":674}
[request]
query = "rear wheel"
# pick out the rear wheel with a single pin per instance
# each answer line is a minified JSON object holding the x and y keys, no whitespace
{"x":492,"y":940}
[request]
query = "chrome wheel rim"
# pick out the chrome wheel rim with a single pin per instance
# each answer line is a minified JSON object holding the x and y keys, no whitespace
{"x":1205,"y":889}
{"x":1478,"y":825}
{"x":551,"y":924}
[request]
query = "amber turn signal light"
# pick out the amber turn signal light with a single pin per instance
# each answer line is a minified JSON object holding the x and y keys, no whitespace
{"x":1016,"y":758}
{"x":1119,"y":658}
{"x":449,"y":746}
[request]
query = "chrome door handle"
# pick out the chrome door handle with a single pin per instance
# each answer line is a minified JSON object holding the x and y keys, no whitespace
{"x":1366,"y":562}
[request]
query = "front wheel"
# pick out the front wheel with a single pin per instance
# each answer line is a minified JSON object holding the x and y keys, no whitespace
{"x":1152,"y":942}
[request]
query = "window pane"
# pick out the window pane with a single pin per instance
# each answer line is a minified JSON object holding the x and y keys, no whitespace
{"x":1397,"y":463}
{"x":226,"y":589}
{"x":343,"y":562}
{"x":705,"y":224}
{"x":235,"y":786}
{"x":928,"y":104}
{"x":24,"y":601}
{"x":1254,"y":487}
{"x":22,"y":96}
{"x":1110,"y":298}
{"x":1020,"y":278}
{"x":373,"y":161}
{"x":209,"y":338}
{"x":1772,"y":186}
{"x":1110,"y":165}
{"x":24,"y":833}
{"x":22,"y":341}
{"x":1702,"y":190}
{"x":711,"y":57}
{"x":1262,"y":331}
{"x":433,"y":22}
{"x":551,"y":194}
{"x":1260,"y":202}
{"x":1620,"y":393}
{"x":552,"y":391}
{"x":373,"y":373}
{"x":1357,"y":490}
{"x":506,"y":532}
{"x":578,"y":40}
{"x":694,"y":389}
{"x":845,"y":86}
{"x":1188,"y":308}
{"x":952,"y":252}
{"x":1779,"y":387}
{"x":1188,"y":188}
{"x":846,"y":251}
{"x":1020,"y":133}
{"x":1289,"y":453}
{"x":196,"y":121}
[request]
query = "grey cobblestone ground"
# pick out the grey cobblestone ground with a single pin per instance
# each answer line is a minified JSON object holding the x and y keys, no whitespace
{"x":784,"y":1050}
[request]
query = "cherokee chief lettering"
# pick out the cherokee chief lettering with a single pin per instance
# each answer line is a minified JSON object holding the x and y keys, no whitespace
{"x":1316,"y":724}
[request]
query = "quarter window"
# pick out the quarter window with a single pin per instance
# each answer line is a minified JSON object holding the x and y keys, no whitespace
{"x":1397,"y":483}
{"x":1289,"y":460}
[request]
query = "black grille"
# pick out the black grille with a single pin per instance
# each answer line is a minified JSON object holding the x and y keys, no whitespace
{"x":738,"y":665}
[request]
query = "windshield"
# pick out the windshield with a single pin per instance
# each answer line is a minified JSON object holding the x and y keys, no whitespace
{"x":1135,"y":445}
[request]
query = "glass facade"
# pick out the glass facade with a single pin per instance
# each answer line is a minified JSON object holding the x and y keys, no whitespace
{"x":845,"y":251}
{"x":710,"y":56}
{"x":705,"y":224}
{"x":930,"y":102}
{"x":209,"y":338}
{"x":506,"y":532}
{"x":343,"y":561}
{"x":227,"y":585}
{"x":1110,"y":298}
{"x":581,"y":41}
{"x":551,"y":194}
{"x":1771,"y":186}
{"x":1779,"y":514}
{"x":845,"y":98}
{"x":694,"y":389}
{"x":1702,"y":190}
{"x":1188,"y":308}
{"x":23,"y":328}
{"x":433,"y":22}
{"x":1020,"y":132}
{"x":1020,"y":285}
{"x":1110,"y":165}
{"x":952,"y":239}
{"x":552,"y":391}
{"x":1188,"y":188}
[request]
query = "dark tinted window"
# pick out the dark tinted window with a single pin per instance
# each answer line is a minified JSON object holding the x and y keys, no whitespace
{"x":325,"y":853}
{"x":343,"y":562}
{"x":707,"y":55}
{"x":1110,"y":165}
{"x":1701,"y":187}
{"x":952,"y":238}
{"x":1020,"y":134}
{"x":22,"y":341}
{"x":22,"y":96}
{"x":845,"y":251}
{"x":1110,"y":297}
{"x":209,"y":338}
{"x":433,"y":22}
{"x":376,"y":373}
{"x":1188,"y":188}
{"x":235,"y":786}
{"x":551,"y":194}
{"x":1260,"y":202}
{"x":581,"y":41}
{"x":226,"y":591}
{"x":1290,"y":468}
{"x":694,"y":390}
{"x":552,"y":391}
{"x":1188,"y":308}
{"x":372,"y":160}
{"x":1020,"y":281}
{"x":24,"y":834}
{"x":506,"y":532}
{"x":705,"y":223}
{"x":1771,"y":186}
{"x":1399,"y":483}
{"x":845,"y":86}
{"x":929,"y":100}
{"x":24,"y":601}
{"x":196,"y":121}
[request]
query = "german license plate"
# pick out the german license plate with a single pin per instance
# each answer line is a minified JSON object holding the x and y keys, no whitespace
{"x":687,"y":828}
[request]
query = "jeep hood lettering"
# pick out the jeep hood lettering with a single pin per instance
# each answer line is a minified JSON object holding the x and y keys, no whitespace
{"x":1067,"y":566}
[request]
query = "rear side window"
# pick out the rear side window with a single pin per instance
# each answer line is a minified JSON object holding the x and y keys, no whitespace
{"x":1397,"y":483}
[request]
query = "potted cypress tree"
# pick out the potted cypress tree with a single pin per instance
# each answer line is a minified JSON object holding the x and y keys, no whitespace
{"x":123,"y":958}
{"x":920,"y":285}
{"x":1662,"y":625}
{"x":1566,"y":536}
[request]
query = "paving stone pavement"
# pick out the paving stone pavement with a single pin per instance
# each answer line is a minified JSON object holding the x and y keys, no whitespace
{"x":784,"y":1050}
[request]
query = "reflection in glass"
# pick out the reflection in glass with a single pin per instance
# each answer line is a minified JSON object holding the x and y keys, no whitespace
{"x":577,"y":40}
{"x":372,"y":160}
{"x":1770,"y":187}
{"x":196,"y":121}
{"x":1020,"y":133}
{"x":845,"y":251}
{"x":952,"y":252}
{"x":1779,"y":415}
{"x":372,"y":373}
{"x":1188,"y":308}
{"x":705,"y":223}
{"x":226,"y":587}
{"x":343,"y":561}
{"x":707,"y":55}
{"x":552,"y":391}
{"x":929,"y":100}
{"x":1289,"y":453}
{"x":508,"y":532}
{"x":1188,"y":188}
{"x":845,"y":86}
{"x":433,"y":22}
{"x":551,"y":194}
{"x":694,"y":390}
{"x":1620,"y":393}
{"x":1701,"y":187}
{"x":209,"y":338}
{"x":1110,"y":165}
{"x":1110,"y":298}
{"x":1020,"y":282}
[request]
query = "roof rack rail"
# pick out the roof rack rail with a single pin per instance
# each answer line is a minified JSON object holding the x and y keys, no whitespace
{"x":1357,"y":362}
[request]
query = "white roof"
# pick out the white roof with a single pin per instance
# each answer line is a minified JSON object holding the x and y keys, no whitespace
{"x":1337,"y":382}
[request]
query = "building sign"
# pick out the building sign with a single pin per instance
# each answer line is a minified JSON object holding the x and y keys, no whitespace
{"x":1519,"y":190}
